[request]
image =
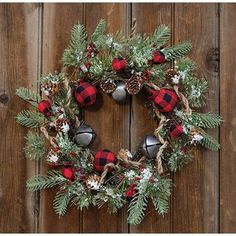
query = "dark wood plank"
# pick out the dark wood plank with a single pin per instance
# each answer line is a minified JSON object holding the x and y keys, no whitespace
{"x":149,"y":16}
{"x":58,"y":20}
{"x":19,"y":36}
{"x":227,"y":110}
{"x":196,"y":201}
{"x":109,"y":120}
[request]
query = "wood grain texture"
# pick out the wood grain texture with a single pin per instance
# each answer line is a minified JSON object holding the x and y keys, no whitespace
{"x":109,"y":120}
{"x":149,"y":16}
{"x":227,"y":110}
{"x":33,"y":37}
{"x":58,"y":19}
{"x":19,"y":32}
{"x":196,"y":201}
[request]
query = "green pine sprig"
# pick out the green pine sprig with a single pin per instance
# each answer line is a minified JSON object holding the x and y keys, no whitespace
{"x":35,"y":146}
{"x":137,"y":208}
{"x":28,"y":95}
{"x":177,"y":160}
{"x":160,"y":192}
{"x":195,"y":90}
{"x":74,"y":54}
{"x":161,"y":35}
{"x":61,"y":201}
{"x":177,"y":51}
{"x":40,"y":182}
{"x":31,"y":119}
{"x":98,"y":32}
{"x":205,"y":120}
{"x":209,"y":142}
{"x":186,"y":65}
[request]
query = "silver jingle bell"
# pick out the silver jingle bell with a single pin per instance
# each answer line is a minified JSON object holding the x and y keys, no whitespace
{"x":84,"y":135}
{"x":150,"y":146}
{"x":119,"y":94}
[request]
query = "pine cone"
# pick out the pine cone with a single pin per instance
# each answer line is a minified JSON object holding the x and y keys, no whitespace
{"x":134,"y":85}
{"x":53,"y":155}
{"x":108,"y":86}
{"x":62,"y":125}
{"x":195,"y":135}
{"x":172,"y":76}
{"x":49,"y":88}
{"x":93,"y":182}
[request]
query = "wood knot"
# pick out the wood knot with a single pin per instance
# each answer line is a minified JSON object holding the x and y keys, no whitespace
{"x":3,"y":97}
{"x":213,"y":59}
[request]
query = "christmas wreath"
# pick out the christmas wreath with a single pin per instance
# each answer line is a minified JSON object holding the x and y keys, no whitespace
{"x":120,"y":67}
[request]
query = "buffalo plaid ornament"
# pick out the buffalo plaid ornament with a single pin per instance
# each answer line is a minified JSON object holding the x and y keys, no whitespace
{"x":85,"y":94}
{"x":165,"y":99}
{"x":44,"y":107}
{"x":102,"y":158}
{"x":176,"y":130}
{"x":119,"y":64}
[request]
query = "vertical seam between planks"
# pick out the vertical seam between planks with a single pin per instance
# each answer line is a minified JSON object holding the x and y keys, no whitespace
{"x":172,"y":174}
{"x":39,"y":72}
{"x":219,"y":132}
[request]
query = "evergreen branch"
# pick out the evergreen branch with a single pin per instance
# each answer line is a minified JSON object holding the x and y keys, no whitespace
{"x":61,"y":201}
{"x":136,"y":209}
{"x":195,"y":90}
{"x":73,"y":55}
{"x":99,"y":31}
{"x":28,"y":95}
{"x":209,"y":142}
{"x":161,"y":35}
{"x":160,"y":193}
{"x":186,"y":65}
{"x":30,"y":119}
{"x":83,"y":200}
{"x":45,"y":181}
{"x":205,"y":120}
{"x":35,"y":146}
{"x":177,"y":50}
{"x":55,"y":78}
{"x":177,"y":160}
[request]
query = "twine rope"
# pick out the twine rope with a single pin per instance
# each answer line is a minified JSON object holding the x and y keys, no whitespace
{"x":104,"y":173}
{"x":123,"y":156}
{"x":68,"y":101}
{"x":133,"y":28}
{"x":188,"y":110}
{"x":164,"y":142}
{"x":68,"y":97}
{"x":47,"y":136}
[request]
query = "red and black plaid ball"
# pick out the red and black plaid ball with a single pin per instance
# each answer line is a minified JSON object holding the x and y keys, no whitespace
{"x":45,"y":107}
{"x":176,"y":131}
{"x":118,"y":64}
{"x":85,"y":94}
{"x":103,"y":157}
{"x":166,"y":100}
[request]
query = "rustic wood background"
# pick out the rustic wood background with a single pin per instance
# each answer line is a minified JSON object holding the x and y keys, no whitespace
{"x":32,"y":39}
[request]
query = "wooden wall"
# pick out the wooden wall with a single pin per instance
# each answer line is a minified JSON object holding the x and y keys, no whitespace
{"x":32,"y":39}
